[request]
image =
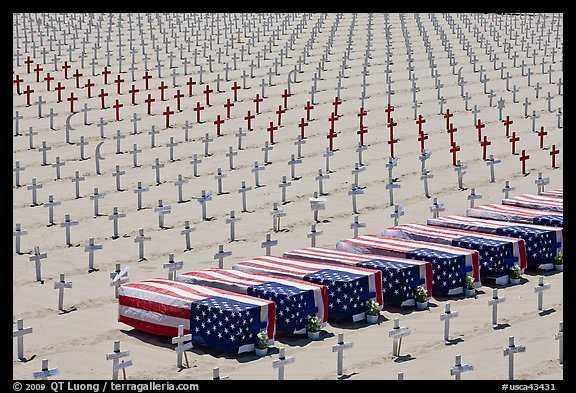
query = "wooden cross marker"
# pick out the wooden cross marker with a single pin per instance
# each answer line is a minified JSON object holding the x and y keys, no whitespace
{"x":560,"y":337}
{"x":162,"y":210}
{"x":204,"y":197}
{"x":67,"y":224}
{"x":19,"y":333}
{"x":507,"y":124}
{"x":436,"y":207}
{"x":216,"y":374}
{"x":61,"y":285}
{"x":220,"y":255}
{"x":243,"y":190}
{"x":446,"y":317}
{"x":18,"y":232}
{"x":43,"y":150}
{"x":118,"y":277}
{"x":473,"y":196}
{"x":425,"y":176}
{"x":77,"y":179}
{"x":542,"y":134}
{"x":172,"y":267}
{"x":459,"y":368}
{"x":139,"y":190}
{"x":491,"y":162}
{"x":510,"y":351}
{"x":186,"y":231}
{"x":219,"y":176}
{"x":140,"y":239}
{"x":398,"y":211}
{"x":485,"y":143}
{"x":230,"y":156}
{"x":17,"y":169}
{"x":268,"y":244}
{"x":239,"y":135}
{"x":539,"y":289}
{"x":313,"y":234}
{"x":397,"y":333}
{"x":523,"y":158}
{"x":157,"y":166}
{"x":541,"y":182}
{"x":460,"y":168}
{"x":276,"y":215}
{"x":447,"y":116}
{"x":356,"y":224}
{"x":115,"y":357}
{"x":181,"y":346}
{"x":90,"y":248}
{"x":34,"y":186}
{"x":513,"y":141}
{"x":267,"y":147}
{"x":283,"y":186}
{"x":36,"y":258}
{"x":494,"y":303}
{"x":46,"y":372}
{"x":281,"y":362}
{"x":232,"y":221}
{"x":553,"y":153}
{"x":195,"y":161}
{"x":320,"y":178}
{"x":206,"y":140}
{"x":340,"y":348}
{"x":95,"y":197}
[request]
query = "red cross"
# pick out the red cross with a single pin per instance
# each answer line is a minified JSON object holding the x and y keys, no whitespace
{"x":336,"y":102}
{"x":307,"y":108}
{"x":451,"y":131}
{"x":391,"y":142}
{"x":198,"y":109}
{"x":162,"y":87}
{"x":302,"y":125}
{"x":59,"y":89}
{"x":279,"y":113}
{"x":421,"y":138}
{"x":190,"y":83}
{"x":363,"y":130}
{"x":28,"y":91}
{"x":71,"y":99}
{"x":523,"y":158}
{"x":553,"y":153}
{"x":479,"y":127}
{"x":389,"y":109}
{"x":147,"y":77}
{"x":332,"y":119}
{"x":117,"y":106}
{"x":89,"y":85}
{"x":28,"y":62}
{"x":167,"y":113}
{"x":38,"y":69}
{"x":513,"y":140}
{"x":447,"y":116}
{"x":361,"y":115}
{"x":218,"y":122}
{"x":484,"y":144}
{"x":285,"y":95}
{"x":453,"y":150}
{"x":118,"y":82}
{"x":65,"y":67}
{"x":229,"y":104}
{"x":106,"y":72}
{"x":507,"y":124}
{"x":331,"y":136}
{"x":19,"y":80}
{"x":48,"y":78}
{"x":235,"y":89}
{"x":271,"y":130}
{"x":77,"y":75}
{"x":542,"y":134}
{"x":133,"y":91}
{"x":101,"y":95}
{"x":207,"y":92}
{"x":391,"y":124}
{"x":258,"y":100}
{"x":149,"y":101}
{"x":420,"y":121}
{"x":178,"y":96}
{"x":249,"y":118}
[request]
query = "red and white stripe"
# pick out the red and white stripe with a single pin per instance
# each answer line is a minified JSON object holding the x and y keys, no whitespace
{"x":557,"y":193}
{"x":239,"y":281}
{"x":394,"y":247}
{"x":508,"y":212}
{"x":536,"y":202}
{"x":159,"y":305}
{"x":450,"y":234}
{"x":299,"y":268}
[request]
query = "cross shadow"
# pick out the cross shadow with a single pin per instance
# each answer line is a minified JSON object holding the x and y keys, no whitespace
{"x":93,"y":270}
{"x":501,"y":326}
{"x":68,"y":310}
{"x":546,"y":312}
{"x":404,"y":358}
{"x":285,"y":203}
{"x":209,"y":218}
{"x":296,"y":178}
{"x":347,"y":376}
{"x":26,"y":360}
{"x":454,"y":341}
{"x":165,"y":227}
{"x":223,"y":193}
{"x":184,"y":201}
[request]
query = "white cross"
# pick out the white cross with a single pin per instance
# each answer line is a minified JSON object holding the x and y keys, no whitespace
{"x":162,"y":210}
{"x":216,"y":370}
{"x":340,"y":347}
{"x":560,"y":337}
{"x":391,"y":185}
{"x":355,"y":225}
{"x":436,"y":208}
{"x":18,"y":233}
{"x":425,"y":176}
{"x":61,"y":285}
{"x":283,"y":186}
{"x":34,"y":187}
{"x":186,"y":231}
{"x":320,"y":178}
{"x":328,"y":153}
{"x":446,"y":317}
{"x":115,"y":216}
{"x":230,"y":156}
{"x":46,"y":372}
{"x":36,"y":258}
{"x":313,"y":234}
{"x":172,"y":267}
{"x":19,"y":333}
{"x":459,"y":368}
{"x":220,"y":255}
{"x":17,"y":169}
{"x":510,"y":351}
{"x":206,"y":140}
{"x":494,"y":303}
{"x":95,"y":197}
{"x":182,"y":347}
{"x":461,"y":170}
{"x":90,"y":248}
{"x":219,"y":176}
{"x":398,"y":211}
{"x":139,"y":190}
{"x":117,"y":175}
{"x":539,"y":289}
{"x":115,"y":357}
{"x":281,"y":362}
{"x":491,"y":162}
{"x":232,"y":220}
{"x":316,"y":204}
{"x":195,"y":163}
{"x":118,"y":277}
{"x":293,"y":161}
{"x":268,"y":244}
{"x":157,"y":165}
{"x":397,"y":333}
{"x":541,"y":182}
{"x":244,"y":190}
{"x":140,"y":239}
{"x":473,"y":196}
{"x":276,"y":214}
{"x":355,"y":190}
{"x":204,"y":197}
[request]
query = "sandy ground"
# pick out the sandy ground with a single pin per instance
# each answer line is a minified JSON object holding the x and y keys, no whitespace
{"x":76,"y":342}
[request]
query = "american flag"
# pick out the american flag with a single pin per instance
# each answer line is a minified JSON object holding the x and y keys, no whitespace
{"x":349,"y":287}
{"x":295,"y":299}
{"x":399,"y":276}
{"x":517,"y":214}
{"x":450,"y":265}
{"x":497,"y":253}
{"x":542,"y":243}
{"x":536,"y":202}
{"x":216,"y":318}
{"x":557,"y":193}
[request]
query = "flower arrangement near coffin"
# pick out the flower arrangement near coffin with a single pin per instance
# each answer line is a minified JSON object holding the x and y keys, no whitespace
{"x":372,"y":307}
{"x":262,"y":340}
{"x":559,"y":259}
{"x":313,"y":323}
{"x":420,"y":294}
{"x":515,"y":272}
{"x":469,"y":282}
